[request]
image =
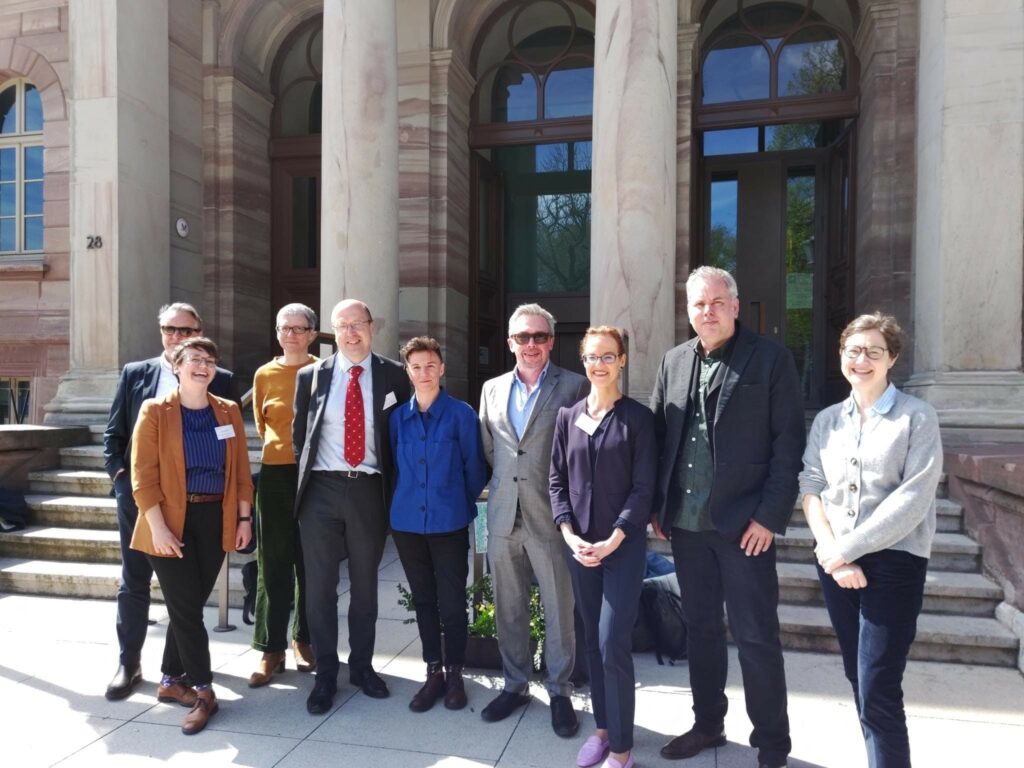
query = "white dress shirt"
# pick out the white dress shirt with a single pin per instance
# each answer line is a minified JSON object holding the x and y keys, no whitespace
{"x":167,"y":382}
{"x":330,"y":455}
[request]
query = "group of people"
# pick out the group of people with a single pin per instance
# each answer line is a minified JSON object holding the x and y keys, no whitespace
{"x":356,"y":444}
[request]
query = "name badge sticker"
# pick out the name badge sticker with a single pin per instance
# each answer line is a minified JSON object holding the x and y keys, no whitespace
{"x":587,"y":424}
{"x":389,"y":400}
{"x":226,"y":431}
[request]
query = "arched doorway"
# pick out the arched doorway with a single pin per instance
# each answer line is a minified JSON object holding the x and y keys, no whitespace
{"x":295,"y":168}
{"x":775,"y":116}
{"x":530,"y":140}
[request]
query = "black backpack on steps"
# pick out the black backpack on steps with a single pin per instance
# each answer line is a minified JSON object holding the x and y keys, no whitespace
{"x":661,"y":614}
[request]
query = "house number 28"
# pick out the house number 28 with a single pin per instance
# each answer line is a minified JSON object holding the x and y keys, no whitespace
{"x":92,"y":242}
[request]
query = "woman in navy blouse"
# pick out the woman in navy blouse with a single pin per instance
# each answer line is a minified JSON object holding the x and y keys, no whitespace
{"x":435,"y":441}
{"x":603,"y":465}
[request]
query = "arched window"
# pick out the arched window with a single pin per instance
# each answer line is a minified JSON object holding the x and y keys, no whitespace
{"x":21,"y":167}
{"x":776,"y":62}
{"x":297,"y":84}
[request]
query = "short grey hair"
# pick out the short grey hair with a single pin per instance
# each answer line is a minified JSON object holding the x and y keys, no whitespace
{"x":297,"y":309}
{"x":174,"y":308}
{"x":532,"y":309}
{"x":704,"y":274}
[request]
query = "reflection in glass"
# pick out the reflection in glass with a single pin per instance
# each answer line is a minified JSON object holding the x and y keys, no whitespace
{"x":732,"y":141}
{"x":8,"y":232}
{"x":547,"y":218}
{"x":569,"y":92}
{"x":800,"y":255}
{"x":33,"y":109}
{"x":9,"y":110}
{"x":33,"y":163}
{"x":736,"y":69}
{"x":33,"y":198}
{"x":812,"y":62}
{"x":305,"y":231}
{"x":8,"y":164}
{"x":721,"y":245}
{"x":33,"y":233}
{"x":8,"y":199}
{"x":484,"y":192}
{"x":514,"y":96}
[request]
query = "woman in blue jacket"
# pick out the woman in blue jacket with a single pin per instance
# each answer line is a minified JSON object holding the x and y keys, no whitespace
{"x":603,"y":469}
{"x":439,"y":458}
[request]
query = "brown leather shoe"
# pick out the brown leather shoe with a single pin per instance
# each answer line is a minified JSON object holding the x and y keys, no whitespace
{"x":431,"y":691}
{"x":691,"y":743}
{"x":454,"y":688}
{"x":305,"y":661}
{"x":268,"y":665}
{"x":176,"y":693}
{"x":201,"y":712}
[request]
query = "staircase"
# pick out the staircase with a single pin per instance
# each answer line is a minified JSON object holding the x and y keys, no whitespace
{"x":956,"y":623}
{"x":72,"y":549}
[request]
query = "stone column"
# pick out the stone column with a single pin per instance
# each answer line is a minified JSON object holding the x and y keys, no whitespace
{"x":633,"y":207}
{"x":120,"y":192}
{"x":968,"y":266}
{"x":359,"y":209}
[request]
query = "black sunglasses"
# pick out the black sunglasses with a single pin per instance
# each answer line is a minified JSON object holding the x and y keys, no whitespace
{"x":522,"y":339}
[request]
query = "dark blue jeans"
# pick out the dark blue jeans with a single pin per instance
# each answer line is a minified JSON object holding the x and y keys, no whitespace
{"x":608,"y":599}
{"x":136,"y":572}
{"x":875,"y":627}
{"x":712,"y":568}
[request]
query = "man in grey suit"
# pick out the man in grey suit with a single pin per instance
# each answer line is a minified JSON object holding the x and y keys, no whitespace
{"x":517,"y":421}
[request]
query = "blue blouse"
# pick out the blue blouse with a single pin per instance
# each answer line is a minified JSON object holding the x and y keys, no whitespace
{"x":204,"y":452}
{"x":440,"y":463}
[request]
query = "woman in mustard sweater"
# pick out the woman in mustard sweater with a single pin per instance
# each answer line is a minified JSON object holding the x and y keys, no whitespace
{"x":279,"y":554}
{"x":192,"y":483}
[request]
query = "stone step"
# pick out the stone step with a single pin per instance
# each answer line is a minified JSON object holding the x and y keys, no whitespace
{"x":950,"y":551}
{"x":73,"y":511}
{"x":70,"y":482}
{"x":960,"y":639}
{"x":87,"y":580}
{"x":96,"y":433}
{"x":39,"y":542}
{"x":945,"y":592}
{"x":948,"y":517}
{"x":91,"y":457}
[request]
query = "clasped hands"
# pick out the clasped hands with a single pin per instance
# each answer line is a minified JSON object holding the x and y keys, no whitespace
{"x":847,"y":575}
{"x":589,"y":553}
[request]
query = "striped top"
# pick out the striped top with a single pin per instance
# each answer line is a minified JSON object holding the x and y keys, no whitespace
{"x":204,"y":453}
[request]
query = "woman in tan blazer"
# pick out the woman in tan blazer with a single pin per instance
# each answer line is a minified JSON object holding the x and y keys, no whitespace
{"x":192,"y":483}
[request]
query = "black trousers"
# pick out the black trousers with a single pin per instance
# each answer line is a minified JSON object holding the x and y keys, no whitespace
{"x":608,"y":599}
{"x":339,"y":515}
{"x":136,"y":573}
{"x":711,"y":568}
{"x":437,"y":566}
{"x":187,"y":583}
{"x":875,"y":627}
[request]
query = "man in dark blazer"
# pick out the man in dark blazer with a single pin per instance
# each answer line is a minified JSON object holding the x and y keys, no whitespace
{"x":141,"y":381}
{"x":517,"y":422}
{"x":729,"y":416}
{"x":346,"y":478}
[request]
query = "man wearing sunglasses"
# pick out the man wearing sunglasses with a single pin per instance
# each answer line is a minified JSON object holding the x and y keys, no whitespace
{"x":140,"y":381}
{"x":517,"y":421}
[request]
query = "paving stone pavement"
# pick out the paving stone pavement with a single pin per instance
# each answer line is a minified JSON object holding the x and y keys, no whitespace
{"x":57,"y":655}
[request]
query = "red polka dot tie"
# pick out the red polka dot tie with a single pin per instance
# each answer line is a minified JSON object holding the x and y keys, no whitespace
{"x":355,"y":419}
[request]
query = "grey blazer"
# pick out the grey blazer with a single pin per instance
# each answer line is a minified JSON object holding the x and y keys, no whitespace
{"x":521,"y":467}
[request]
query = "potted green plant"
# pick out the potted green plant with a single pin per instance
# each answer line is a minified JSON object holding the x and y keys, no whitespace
{"x":482,"y":644}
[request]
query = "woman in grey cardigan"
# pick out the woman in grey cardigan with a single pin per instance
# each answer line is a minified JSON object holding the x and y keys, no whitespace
{"x":871,"y":468}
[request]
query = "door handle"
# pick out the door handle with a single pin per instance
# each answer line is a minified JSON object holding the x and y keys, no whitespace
{"x":761,"y":313}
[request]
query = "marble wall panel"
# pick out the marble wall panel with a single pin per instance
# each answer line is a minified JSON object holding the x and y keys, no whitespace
{"x":686,"y":165}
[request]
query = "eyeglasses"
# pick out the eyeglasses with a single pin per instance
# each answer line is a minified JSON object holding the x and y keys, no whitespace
{"x":522,"y":339}
{"x":174,"y":330}
{"x":873,"y":353}
{"x":293,"y":330}
{"x":607,"y":359}
{"x":357,"y":327}
{"x":205,"y":362}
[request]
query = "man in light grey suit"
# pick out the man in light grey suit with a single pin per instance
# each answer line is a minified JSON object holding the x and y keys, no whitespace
{"x":517,"y":421}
